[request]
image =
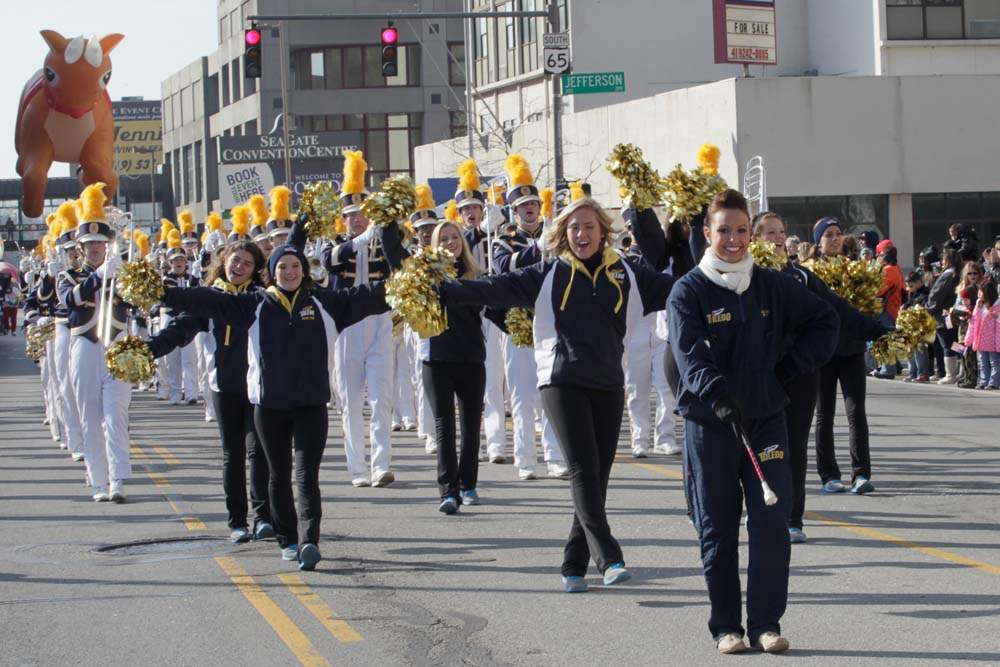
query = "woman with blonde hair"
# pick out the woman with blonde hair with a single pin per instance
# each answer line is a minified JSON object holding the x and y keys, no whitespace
{"x":453,"y":367}
{"x":585,"y":296}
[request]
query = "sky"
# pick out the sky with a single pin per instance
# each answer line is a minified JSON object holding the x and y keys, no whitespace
{"x":161,"y":36}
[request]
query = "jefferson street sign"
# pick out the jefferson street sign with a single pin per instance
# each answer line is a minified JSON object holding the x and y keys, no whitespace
{"x":597,"y":82}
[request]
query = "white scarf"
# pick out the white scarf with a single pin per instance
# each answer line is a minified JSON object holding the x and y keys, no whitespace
{"x":734,"y":277}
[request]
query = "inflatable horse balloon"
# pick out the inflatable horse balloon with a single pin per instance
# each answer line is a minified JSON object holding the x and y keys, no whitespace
{"x":65,"y":116}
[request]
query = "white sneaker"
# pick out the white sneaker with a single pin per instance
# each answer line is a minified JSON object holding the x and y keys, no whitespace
{"x":430,"y":444}
{"x":498,"y":458}
{"x":78,"y":457}
{"x":668,"y":450}
{"x":117,"y":490}
{"x":360,"y":481}
{"x":558,"y":471}
{"x":62,"y":445}
{"x":639,"y":452}
{"x":524,"y":474}
{"x":409,"y":426}
{"x":101,"y":495}
{"x":384,"y":478}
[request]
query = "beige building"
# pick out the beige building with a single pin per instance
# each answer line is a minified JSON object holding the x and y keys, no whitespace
{"x":879,"y":113}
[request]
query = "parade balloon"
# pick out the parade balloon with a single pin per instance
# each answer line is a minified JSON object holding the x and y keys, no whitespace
{"x":64,"y":115}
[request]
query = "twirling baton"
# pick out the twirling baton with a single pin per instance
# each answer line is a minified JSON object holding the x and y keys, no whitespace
{"x":770,"y":497}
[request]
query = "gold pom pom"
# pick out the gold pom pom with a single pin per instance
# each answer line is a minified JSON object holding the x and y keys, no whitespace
{"x":321,"y":204}
{"x":468,"y":176}
{"x":280,"y":196}
{"x":520,"y":325}
{"x":395,"y":200}
{"x":708,"y":159}
{"x":638,"y":178}
{"x":139,"y":284}
{"x":765,"y":254}
{"x":129,"y":359}
{"x":856,"y":281}
{"x":915,"y":327}
{"x":518,"y":172}
{"x":92,"y":203}
{"x":410,"y":291}
{"x":35,"y":338}
{"x":354,"y":173}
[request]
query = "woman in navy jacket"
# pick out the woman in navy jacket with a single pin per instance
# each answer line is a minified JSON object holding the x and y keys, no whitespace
{"x":735,"y":329}
{"x":585,"y":297}
{"x":291,"y":330}
{"x":454,"y":367}
{"x":237,"y":269}
{"x":802,"y":389}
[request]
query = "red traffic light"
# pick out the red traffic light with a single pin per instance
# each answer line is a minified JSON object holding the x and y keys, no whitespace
{"x":389,"y":35}
{"x":252,"y":37}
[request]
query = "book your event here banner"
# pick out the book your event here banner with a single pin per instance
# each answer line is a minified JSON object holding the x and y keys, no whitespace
{"x":254,"y":164}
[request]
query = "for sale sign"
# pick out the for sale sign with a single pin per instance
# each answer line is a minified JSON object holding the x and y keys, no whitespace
{"x":745,"y":32}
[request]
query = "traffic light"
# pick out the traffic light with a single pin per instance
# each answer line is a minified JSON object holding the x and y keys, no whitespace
{"x":390,"y":66}
{"x":251,"y":53}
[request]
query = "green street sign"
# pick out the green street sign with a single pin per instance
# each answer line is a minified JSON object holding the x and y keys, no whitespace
{"x":598,"y":82}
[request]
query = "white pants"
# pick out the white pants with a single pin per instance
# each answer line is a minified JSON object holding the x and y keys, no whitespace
{"x":72,"y":430}
{"x":103,"y":404}
{"x":402,"y":405}
{"x":644,"y":372}
{"x":182,"y":373}
{"x":494,"y":417}
{"x":201,"y":358}
{"x":50,"y":391}
{"x":363,"y":355}
{"x":425,"y":419}
{"x":526,"y":406}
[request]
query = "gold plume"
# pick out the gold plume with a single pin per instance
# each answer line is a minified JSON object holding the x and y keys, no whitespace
{"x":258,"y":207}
{"x":547,"y":195}
{"x":468,"y":176}
{"x":241,"y":220}
{"x":354,"y":172}
{"x":280,"y":196}
{"x":173,"y":239}
{"x":213,"y":222}
{"x":93,"y":199}
{"x":518,"y":172}
{"x":425,"y":197}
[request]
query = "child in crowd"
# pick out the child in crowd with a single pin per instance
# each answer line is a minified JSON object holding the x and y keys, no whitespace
{"x":983,"y":335}
{"x":916,"y":295}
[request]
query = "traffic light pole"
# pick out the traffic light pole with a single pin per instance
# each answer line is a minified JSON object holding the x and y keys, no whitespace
{"x":283,"y":43}
{"x":557,"y":163}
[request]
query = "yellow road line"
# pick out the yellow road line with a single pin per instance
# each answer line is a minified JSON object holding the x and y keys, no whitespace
{"x":192,"y":522}
{"x":338,"y":628}
{"x":167,"y":457}
{"x":137,"y":451}
{"x":288,"y":632}
{"x":158,"y":478}
{"x":659,"y":468}
{"x":899,"y":541}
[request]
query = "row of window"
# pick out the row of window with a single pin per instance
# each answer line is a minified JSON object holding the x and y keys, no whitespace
{"x":510,"y":47}
{"x":231,"y":24}
{"x":228,"y":84}
{"x":353,"y":67}
{"x":942,"y":19}
{"x":387,"y":139}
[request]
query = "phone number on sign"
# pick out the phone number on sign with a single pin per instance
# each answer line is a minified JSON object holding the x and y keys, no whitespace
{"x":749,"y":53}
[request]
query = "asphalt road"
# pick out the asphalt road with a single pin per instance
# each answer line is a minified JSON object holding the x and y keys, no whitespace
{"x":908,"y":575}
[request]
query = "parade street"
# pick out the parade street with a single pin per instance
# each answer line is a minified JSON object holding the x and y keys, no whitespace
{"x":908,"y":575}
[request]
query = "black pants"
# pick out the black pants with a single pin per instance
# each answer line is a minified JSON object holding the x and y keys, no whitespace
{"x":801,"y":391}
{"x":444,"y":382}
{"x":587,"y":424}
{"x":239,"y":444}
{"x":936,"y":355}
{"x":850,"y":371}
{"x":946,"y":337}
{"x":301,"y":431}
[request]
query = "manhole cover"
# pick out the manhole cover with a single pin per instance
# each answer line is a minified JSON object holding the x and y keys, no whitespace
{"x":202,"y":545}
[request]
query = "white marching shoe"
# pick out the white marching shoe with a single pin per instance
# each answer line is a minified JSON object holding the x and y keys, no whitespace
{"x":101,"y":495}
{"x":117,"y":491}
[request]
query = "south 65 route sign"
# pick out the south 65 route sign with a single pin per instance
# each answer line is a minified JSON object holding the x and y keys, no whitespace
{"x":555,"y":53}
{"x":745,"y":32}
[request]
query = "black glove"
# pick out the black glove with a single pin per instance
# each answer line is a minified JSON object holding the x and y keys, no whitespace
{"x":728,"y":412}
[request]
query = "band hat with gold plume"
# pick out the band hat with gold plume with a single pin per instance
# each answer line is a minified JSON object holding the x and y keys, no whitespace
{"x":425,"y":213}
{"x":469,"y":192}
{"x":279,"y":220}
{"x":165,"y":228}
{"x":174,"y":247}
{"x":93,"y":225}
{"x":185,"y":220}
{"x":241,"y":223}
{"x":521,"y":184}
{"x":67,"y":214}
{"x":352,"y":190}
{"x":258,"y":227}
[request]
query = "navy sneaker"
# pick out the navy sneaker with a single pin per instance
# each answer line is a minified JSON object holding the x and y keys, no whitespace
{"x":862,"y":486}
{"x":448,"y":506}
{"x":264,"y":530}
{"x":470,"y":497}
{"x":796,"y":536}
{"x":239,"y":535}
{"x":833,"y":486}
{"x":308,"y":557}
{"x":616,"y":574}
{"x":574,"y":584}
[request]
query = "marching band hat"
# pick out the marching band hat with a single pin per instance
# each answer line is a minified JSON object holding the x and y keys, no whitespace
{"x":93,"y":223}
{"x":280,"y":219}
{"x":241,"y":222}
{"x":258,"y":227}
{"x":425,"y":213}
{"x":67,"y":214}
{"x":468,"y":192}
{"x":521,"y":183}
{"x":352,"y":191}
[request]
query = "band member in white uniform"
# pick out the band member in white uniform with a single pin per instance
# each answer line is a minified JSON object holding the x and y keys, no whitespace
{"x":481,"y":224}
{"x":72,"y":261}
{"x":363,"y":352}
{"x":102,"y":401}
{"x":516,"y":249}
{"x":181,"y":365}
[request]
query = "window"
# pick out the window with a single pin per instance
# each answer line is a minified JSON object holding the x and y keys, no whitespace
{"x":187,"y":168}
{"x":187,"y":104}
{"x":168,"y":115}
{"x":942,"y":19}
{"x":457,"y":123}
{"x":225,"y":85}
{"x":250,"y":128}
{"x":858,"y":213}
{"x":197,"y":171}
{"x":480,"y":40}
{"x":212,"y":93}
{"x":223,"y":28}
{"x":456,"y":64}
{"x":933,"y":213}
{"x":387,"y":139}
{"x":234,"y":68}
{"x":530,"y":43}
{"x":354,"y":67}
{"x":563,"y":12}
{"x":177,"y":177}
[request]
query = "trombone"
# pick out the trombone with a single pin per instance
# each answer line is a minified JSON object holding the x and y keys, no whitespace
{"x":755,"y":185}
{"x":493,"y":234}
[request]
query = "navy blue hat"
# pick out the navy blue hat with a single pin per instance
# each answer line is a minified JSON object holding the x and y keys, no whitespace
{"x":281,"y":251}
{"x":822,"y":226}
